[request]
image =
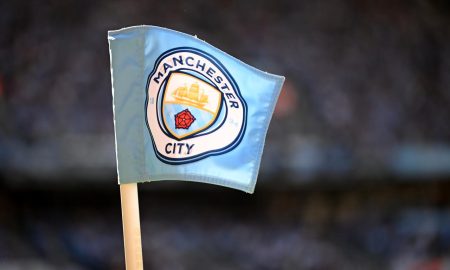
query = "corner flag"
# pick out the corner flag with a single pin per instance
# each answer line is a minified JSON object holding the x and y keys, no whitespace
{"x":184,"y":110}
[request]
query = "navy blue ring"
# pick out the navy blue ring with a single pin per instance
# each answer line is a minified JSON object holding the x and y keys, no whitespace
{"x":215,"y":152}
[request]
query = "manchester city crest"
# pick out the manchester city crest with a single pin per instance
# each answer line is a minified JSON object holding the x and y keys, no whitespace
{"x":193,"y":108}
{"x":189,"y":105}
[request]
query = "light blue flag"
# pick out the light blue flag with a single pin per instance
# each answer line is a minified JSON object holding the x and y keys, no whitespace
{"x":184,"y":110}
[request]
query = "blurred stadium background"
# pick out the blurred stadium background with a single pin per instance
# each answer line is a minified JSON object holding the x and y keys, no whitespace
{"x":356,"y":169}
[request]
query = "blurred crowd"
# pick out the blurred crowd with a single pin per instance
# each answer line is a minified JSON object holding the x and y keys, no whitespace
{"x":398,"y":228}
{"x":367,"y":83}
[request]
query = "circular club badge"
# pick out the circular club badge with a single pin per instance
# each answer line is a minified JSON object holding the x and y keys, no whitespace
{"x":193,"y":108}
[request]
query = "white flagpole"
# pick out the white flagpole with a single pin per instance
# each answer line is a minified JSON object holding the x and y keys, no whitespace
{"x":131,"y":226}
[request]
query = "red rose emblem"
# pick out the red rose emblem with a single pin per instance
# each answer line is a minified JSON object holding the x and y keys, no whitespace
{"x":184,"y":119}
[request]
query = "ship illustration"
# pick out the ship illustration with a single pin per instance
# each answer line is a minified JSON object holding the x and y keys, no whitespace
{"x":193,"y":95}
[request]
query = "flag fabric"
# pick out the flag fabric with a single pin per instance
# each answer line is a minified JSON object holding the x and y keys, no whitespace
{"x":184,"y":110}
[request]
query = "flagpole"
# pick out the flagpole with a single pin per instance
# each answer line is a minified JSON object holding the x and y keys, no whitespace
{"x":131,"y":226}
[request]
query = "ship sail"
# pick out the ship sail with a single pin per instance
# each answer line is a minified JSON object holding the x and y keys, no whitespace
{"x":192,"y":96}
{"x":204,"y":98}
{"x":193,"y":92}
